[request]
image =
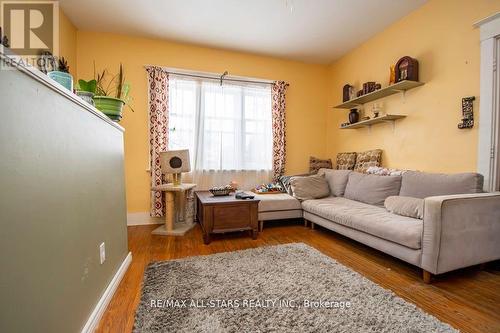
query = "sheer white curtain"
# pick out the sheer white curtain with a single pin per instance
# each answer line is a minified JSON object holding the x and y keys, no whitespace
{"x":226,"y":128}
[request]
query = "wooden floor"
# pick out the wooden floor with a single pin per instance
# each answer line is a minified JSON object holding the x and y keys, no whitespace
{"x":468,"y":299}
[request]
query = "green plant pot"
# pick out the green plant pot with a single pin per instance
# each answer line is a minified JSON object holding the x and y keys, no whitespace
{"x":64,"y":79}
{"x":87,"y":96}
{"x":110,"y":106}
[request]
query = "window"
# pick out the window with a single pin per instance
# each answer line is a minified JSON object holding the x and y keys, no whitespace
{"x":225,"y":127}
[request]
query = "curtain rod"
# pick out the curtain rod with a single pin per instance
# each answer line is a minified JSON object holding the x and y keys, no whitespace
{"x":222,"y":77}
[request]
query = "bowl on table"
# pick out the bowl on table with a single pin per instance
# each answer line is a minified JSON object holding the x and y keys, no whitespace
{"x":220,"y":191}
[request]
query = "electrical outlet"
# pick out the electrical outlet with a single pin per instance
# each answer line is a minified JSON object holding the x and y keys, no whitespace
{"x":102,"y":252}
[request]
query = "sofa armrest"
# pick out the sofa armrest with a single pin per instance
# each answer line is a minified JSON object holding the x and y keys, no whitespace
{"x":460,"y":230}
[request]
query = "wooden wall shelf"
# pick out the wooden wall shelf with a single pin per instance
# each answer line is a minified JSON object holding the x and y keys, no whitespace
{"x":377,"y":94}
{"x":368,"y":123}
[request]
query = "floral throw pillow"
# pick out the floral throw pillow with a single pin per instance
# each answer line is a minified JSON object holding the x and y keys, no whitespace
{"x":346,"y":161}
{"x":370,"y":158}
{"x":315,"y":164}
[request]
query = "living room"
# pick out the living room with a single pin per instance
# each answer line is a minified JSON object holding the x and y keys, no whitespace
{"x":267,"y":166}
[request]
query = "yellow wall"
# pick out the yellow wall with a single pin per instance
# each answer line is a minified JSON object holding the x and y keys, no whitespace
{"x":306,"y":97}
{"x":440,"y":35}
{"x":67,"y":42}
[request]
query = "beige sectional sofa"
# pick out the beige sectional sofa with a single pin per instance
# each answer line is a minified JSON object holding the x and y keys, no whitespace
{"x":277,"y":207}
{"x":460,"y":225}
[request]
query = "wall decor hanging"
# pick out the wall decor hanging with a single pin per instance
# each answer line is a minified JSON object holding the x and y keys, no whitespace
{"x":467,"y":113}
{"x":407,"y":69}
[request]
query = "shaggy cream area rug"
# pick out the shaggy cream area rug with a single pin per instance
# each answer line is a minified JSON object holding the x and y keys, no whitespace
{"x":284,"y":288}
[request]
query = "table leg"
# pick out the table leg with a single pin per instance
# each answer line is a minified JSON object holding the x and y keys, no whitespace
{"x":254,"y":233}
{"x":206,"y":238}
{"x":170,"y":211}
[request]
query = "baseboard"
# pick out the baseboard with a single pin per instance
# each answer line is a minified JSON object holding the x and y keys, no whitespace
{"x":143,"y":218}
{"x":106,"y":297}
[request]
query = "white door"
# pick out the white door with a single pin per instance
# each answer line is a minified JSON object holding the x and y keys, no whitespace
{"x":496,"y":150}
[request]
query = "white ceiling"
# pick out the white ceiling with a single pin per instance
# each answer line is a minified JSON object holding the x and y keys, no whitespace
{"x":318,"y":31}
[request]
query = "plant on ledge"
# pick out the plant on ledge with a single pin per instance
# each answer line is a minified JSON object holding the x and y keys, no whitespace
{"x":86,"y":90}
{"x":62,"y":75}
{"x":110,"y":95}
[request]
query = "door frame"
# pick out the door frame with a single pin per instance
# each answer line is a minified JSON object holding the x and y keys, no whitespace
{"x":488,"y":159}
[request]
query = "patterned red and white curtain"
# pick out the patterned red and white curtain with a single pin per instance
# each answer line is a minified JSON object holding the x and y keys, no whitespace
{"x":279,"y":128}
{"x":158,"y":131}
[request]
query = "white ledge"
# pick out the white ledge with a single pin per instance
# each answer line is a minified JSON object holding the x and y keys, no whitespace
{"x":12,"y":61}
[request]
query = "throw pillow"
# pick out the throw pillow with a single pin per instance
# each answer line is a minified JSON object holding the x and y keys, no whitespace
{"x":315,"y":164}
{"x":371,"y":189}
{"x":368,"y":159}
{"x":405,"y":206}
{"x":384,"y":171}
{"x":337,"y":180}
{"x":346,"y":161}
{"x":285,"y":182}
{"x":423,"y":184}
{"x":310,"y":187}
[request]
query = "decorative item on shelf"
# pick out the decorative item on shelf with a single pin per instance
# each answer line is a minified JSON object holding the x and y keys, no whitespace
{"x":376,"y":109}
{"x":3,"y":39}
{"x":368,"y":87}
{"x":360,"y":93}
{"x":407,"y":69}
{"x":467,"y":113}
{"x":347,"y":93}
{"x":218,"y":191}
{"x":392,"y":75}
{"x":378,"y":86}
{"x":86,"y":90}
{"x":175,"y":162}
{"x":353,"y":116}
{"x":111,"y":97}
{"x":271,"y":188}
{"x":46,"y":62}
{"x":62,"y":75}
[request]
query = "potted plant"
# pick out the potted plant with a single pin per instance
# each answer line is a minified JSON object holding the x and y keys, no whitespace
{"x":111,"y":97}
{"x":86,"y":90}
{"x":62,"y":75}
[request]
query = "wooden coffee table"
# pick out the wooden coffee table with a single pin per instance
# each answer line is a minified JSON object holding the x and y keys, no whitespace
{"x":225,"y":214}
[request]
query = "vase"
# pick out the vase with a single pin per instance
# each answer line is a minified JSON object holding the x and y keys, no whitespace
{"x":87,"y":96}
{"x":111,"y":107}
{"x":353,"y":116}
{"x":63,"y":78}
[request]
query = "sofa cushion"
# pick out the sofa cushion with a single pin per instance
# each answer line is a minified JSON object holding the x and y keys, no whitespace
{"x":310,"y":187}
{"x":277,"y":202}
{"x":315,"y":164}
{"x":337,"y":180}
{"x":285,"y":182}
{"x":370,"y":219}
{"x":346,"y":161}
{"x":405,"y":206}
{"x":368,"y":159}
{"x":371,"y":189}
{"x":422,"y":184}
